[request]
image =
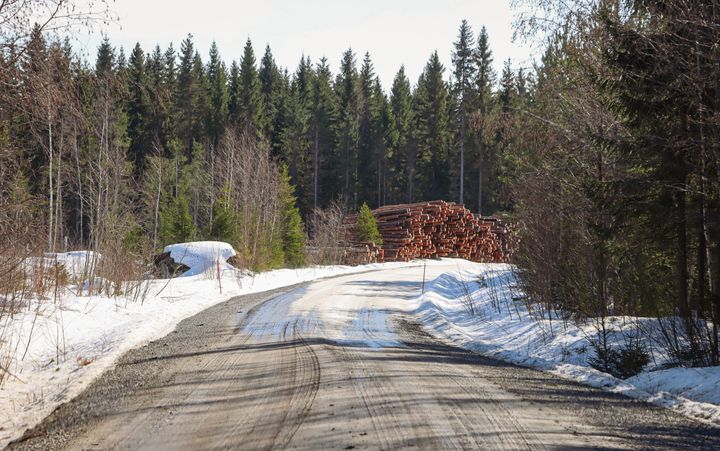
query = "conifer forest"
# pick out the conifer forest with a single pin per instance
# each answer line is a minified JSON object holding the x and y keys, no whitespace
{"x":604,"y":154}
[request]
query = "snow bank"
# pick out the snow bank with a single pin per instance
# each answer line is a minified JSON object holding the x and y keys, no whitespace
{"x":501,"y":326}
{"x":72,"y":341}
{"x":201,"y":256}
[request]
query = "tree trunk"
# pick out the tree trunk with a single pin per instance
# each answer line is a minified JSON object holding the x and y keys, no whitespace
{"x":681,"y":258}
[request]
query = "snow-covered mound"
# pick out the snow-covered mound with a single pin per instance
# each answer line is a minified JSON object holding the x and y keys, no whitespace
{"x":480,"y":308}
{"x":76,"y":263}
{"x":201,"y":256}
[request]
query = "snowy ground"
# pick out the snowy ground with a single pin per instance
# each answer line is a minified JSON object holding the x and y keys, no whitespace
{"x":501,"y":326}
{"x":74,"y":339}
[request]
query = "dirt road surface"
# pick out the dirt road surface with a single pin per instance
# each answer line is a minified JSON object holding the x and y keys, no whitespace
{"x":342,"y":364}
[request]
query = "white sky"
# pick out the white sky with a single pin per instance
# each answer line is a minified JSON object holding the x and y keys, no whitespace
{"x":395,"y":32}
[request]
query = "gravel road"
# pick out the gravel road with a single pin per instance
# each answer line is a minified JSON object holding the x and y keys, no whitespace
{"x":340,"y":364}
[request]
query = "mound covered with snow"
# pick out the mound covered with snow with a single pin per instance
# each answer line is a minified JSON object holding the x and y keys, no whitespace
{"x":201,"y":256}
{"x":481,"y":308}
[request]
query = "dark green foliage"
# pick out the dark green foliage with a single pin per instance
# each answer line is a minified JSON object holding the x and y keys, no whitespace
{"x":224,"y":225}
{"x":367,"y":228}
{"x":401,"y":151}
{"x":176,"y":225}
{"x":293,"y":237}
{"x":625,"y":362}
{"x":247,"y":94}
{"x":432,"y":131}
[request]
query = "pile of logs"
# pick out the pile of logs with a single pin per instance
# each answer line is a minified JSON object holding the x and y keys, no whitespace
{"x":434,"y":229}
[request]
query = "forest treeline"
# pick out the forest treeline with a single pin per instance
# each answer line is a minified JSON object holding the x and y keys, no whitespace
{"x":166,"y":147}
{"x":605,"y":154}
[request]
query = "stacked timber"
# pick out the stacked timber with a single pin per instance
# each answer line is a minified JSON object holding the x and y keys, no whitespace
{"x":358,"y":252}
{"x":436,"y":229}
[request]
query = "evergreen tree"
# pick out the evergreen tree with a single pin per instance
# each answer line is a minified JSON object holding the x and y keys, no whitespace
{"x":484,"y":81}
{"x":185,"y":96}
{"x":293,"y":236}
{"x":234,"y":94}
{"x":272,"y":89}
{"x":248,"y":94}
{"x":462,"y":90}
{"x":507,"y":88}
{"x":105,"y":61}
{"x":176,"y":224}
{"x":369,"y":154}
{"x":295,"y":142}
{"x":322,"y":120}
{"x":432,"y":121}
{"x":401,"y":150}
{"x":223,"y":225}
{"x":160,"y":97}
{"x":345,"y":161}
{"x":217,"y":96}
{"x":367,"y":228}
{"x":138,"y":111}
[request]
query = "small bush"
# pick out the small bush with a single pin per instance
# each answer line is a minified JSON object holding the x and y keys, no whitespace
{"x":367,"y":227}
{"x":623,"y":363}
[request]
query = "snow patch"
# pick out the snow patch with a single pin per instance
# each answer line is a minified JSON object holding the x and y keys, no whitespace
{"x":479,"y":307}
{"x":201,"y":256}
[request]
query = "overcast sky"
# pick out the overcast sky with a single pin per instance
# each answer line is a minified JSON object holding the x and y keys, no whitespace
{"x":395,"y":32}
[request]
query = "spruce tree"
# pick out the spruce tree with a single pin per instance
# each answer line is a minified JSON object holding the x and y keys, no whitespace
{"x":138,"y":111}
{"x":185,"y":96}
{"x":217,"y":96}
{"x":484,"y":81}
{"x":248,"y":94}
{"x":367,"y":158}
{"x":105,"y":60}
{"x":367,"y":228}
{"x":272,"y":89}
{"x":401,"y":151}
{"x":296,"y":143}
{"x":322,"y":120}
{"x":293,"y":237}
{"x":462,"y":90}
{"x":345,"y":162}
{"x":432,"y":108}
{"x":176,"y":224}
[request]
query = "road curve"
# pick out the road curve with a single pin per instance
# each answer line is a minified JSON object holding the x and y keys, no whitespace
{"x":342,"y":364}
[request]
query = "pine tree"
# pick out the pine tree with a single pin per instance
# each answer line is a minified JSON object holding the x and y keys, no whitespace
{"x":462,"y":90}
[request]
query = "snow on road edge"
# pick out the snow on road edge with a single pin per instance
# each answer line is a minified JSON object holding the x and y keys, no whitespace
{"x":90,"y":333}
{"x":503,"y":329}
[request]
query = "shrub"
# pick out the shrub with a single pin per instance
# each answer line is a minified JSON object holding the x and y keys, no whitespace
{"x":367,"y":226}
{"x":623,"y":363}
